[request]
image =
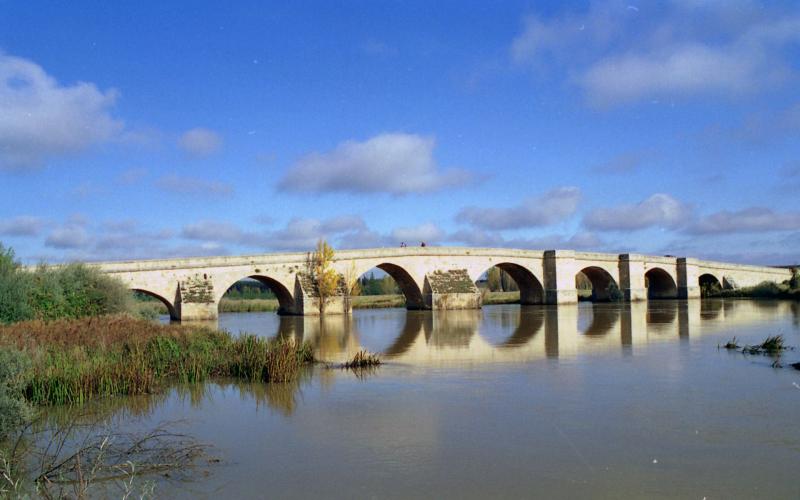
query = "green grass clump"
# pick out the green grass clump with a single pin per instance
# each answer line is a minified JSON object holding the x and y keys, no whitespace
{"x":74,"y":360}
{"x":731,"y":344}
{"x":363,"y":359}
{"x":772,"y":346}
{"x":774,"y":343}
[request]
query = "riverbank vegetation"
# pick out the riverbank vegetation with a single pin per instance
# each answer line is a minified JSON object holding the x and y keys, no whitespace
{"x":74,"y":360}
{"x":70,"y":334}
{"x":788,"y":290}
{"x":48,"y":292}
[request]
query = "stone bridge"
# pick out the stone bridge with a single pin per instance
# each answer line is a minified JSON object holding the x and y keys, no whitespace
{"x":432,"y":277}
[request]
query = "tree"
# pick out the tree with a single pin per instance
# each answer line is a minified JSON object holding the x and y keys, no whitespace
{"x":323,"y":276}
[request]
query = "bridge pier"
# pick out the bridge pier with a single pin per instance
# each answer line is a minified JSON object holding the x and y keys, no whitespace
{"x":631,"y":277}
{"x":451,"y":289}
{"x":559,"y":277}
{"x":688,"y":278}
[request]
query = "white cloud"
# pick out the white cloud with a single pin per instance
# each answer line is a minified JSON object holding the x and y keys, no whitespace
{"x":618,"y":55}
{"x":42,"y":119}
{"x":677,"y":70}
{"x":200,"y":142}
{"x":68,"y":236}
{"x":659,"y":210}
{"x":194,"y":186}
{"x":746,"y":220}
{"x":494,"y":239}
{"x":428,"y":232}
{"x":553,"y":206}
{"x":23,"y":225}
{"x":212,"y":231}
{"x":395,"y":163}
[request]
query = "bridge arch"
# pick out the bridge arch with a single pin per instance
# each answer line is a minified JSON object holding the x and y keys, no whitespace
{"x":660,"y":284}
{"x":708,"y":282}
{"x":408,"y":287}
{"x":604,"y":287}
{"x":173,"y":314}
{"x":286,"y":303}
{"x":531,"y":290}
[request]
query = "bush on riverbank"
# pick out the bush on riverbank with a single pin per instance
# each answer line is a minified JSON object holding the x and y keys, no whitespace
{"x":14,"y":378}
{"x":764,"y":290}
{"x":69,"y":291}
{"x":74,"y":360}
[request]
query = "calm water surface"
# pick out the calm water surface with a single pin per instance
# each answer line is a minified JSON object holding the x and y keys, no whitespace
{"x":605,"y":401}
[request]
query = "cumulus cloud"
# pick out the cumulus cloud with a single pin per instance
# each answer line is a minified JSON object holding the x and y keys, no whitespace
{"x":194,"y":186}
{"x":303,"y":233}
{"x":659,"y":210}
{"x":42,"y":119}
{"x":679,"y":70}
{"x":747,"y":220}
{"x":297,"y":235}
{"x":553,"y":206}
{"x":68,"y":236}
{"x":200,"y":142}
{"x":680,"y":49}
{"x":22,"y":225}
{"x":395,"y":163}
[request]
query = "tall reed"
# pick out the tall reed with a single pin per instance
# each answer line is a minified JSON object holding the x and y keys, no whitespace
{"x":73,"y":360}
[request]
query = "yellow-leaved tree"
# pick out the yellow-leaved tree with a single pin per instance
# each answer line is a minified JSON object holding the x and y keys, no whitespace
{"x":326,"y":279}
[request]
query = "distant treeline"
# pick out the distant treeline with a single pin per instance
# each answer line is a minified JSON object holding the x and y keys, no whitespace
{"x":249,"y":289}
{"x":370,"y":285}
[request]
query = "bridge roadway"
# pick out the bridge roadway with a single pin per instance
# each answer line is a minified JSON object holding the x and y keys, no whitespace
{"x":432,"y":277}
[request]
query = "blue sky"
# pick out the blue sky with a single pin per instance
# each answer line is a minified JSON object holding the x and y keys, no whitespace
{"x":156,"y":129}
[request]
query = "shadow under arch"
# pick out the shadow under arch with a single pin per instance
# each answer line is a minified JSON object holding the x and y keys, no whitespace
{"x":173,"y":315}
{"x":707,"y":283}
{"x":412,"y":292}
{"x":601,"y":283}
{"x":531,"y":290}
{"x":286,"y":303}
{"x":663,"y":313}
{"x":660,"y":284}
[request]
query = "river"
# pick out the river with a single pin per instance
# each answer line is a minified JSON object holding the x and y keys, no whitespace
{"x":602,"y":401}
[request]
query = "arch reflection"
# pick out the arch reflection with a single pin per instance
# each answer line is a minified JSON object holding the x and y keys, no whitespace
{"x":508,"y":333}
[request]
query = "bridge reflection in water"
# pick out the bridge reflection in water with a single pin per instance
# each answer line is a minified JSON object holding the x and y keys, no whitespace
{"x":509,"y":333}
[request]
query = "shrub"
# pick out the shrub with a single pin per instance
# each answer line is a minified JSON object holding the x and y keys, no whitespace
{"x":15,"y":284}
{"x":614,"y":293}
{"x":14,"y":376}
{"x":75,"y":291}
